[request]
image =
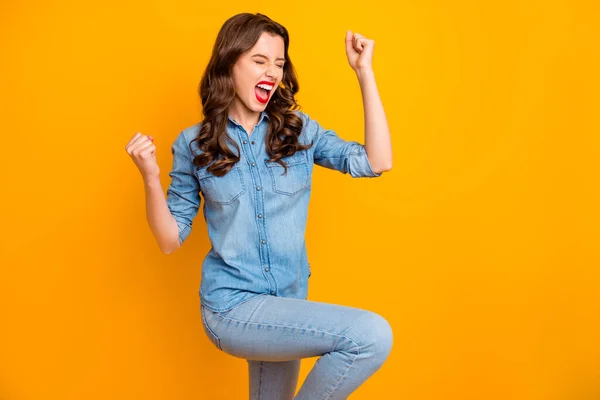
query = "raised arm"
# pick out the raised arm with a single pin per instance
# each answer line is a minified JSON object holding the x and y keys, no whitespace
{"x":142,"y":151}
{"x":378,"y":145}
{"x":170,"y":219}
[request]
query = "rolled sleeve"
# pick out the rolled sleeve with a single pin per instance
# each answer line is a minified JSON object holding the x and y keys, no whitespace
{"x":183,"y":198}
{"x":333,"y":152}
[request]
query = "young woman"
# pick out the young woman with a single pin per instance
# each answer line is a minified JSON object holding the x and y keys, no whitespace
{"x":252,"y":158}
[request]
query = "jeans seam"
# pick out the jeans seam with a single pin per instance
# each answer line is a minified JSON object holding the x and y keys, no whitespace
{"x":211,"y":331}
{"x":258,"y":305}
{"x":260,"y":380}
{"x":213,"y":311}
{"x":287,"y":326}
{"x":345,"y":372}
{"x":357,"y":347}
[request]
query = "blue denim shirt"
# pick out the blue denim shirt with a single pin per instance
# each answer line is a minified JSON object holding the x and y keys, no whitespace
{"x":256,"y":217}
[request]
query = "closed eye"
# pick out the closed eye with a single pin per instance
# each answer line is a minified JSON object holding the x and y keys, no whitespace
{"x":260,"y":62}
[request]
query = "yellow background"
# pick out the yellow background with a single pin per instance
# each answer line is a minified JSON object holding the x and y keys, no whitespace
{"x":480,"y":246}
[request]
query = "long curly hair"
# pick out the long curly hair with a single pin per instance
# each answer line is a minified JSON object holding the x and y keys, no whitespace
{"x":237,"y":35}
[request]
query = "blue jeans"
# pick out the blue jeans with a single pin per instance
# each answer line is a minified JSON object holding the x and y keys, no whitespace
{"x":274,"y":333}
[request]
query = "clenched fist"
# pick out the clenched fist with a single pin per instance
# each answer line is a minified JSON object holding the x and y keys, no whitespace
{"x":359,"y":51}
{"x":143,"y":153}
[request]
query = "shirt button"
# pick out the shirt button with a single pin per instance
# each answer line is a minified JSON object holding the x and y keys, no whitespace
{"x":267,"y":269}
{"x":259,"y":215}
{"x":263,"y":241}
{"x":252,"y":142}
{"x":258,"y":188}
{"x":253,"y":164}
{"x":272,"y":292}
{"x":245,"y":141}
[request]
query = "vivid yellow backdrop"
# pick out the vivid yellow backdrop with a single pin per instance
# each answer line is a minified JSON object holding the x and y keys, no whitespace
{"x":480,"y":246}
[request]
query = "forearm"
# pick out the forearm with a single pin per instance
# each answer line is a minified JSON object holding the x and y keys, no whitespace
{"x":161,"y":221}
{"x":378,"y":143}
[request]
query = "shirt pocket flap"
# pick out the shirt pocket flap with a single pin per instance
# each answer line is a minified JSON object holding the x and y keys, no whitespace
{"x":298,"y":157}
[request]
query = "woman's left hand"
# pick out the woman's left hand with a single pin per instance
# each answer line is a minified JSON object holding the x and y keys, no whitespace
{"x":359,"y":51}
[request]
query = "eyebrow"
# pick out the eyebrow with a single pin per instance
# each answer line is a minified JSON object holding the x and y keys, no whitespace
{"x":263,"y":56}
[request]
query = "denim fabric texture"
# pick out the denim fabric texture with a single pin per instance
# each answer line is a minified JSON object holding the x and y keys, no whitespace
{"x":256,"y":216}
{"x":274,"y":333}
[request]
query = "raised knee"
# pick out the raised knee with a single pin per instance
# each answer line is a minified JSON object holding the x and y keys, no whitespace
{"x":375,"y":337}
{"x":381,"y":335}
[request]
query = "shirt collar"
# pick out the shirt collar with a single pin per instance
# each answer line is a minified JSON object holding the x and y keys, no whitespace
{"x":263,"y":114}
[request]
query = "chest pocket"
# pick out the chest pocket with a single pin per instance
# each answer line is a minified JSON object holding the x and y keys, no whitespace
{"x":221,"y":189}
{"x":297,"y":177}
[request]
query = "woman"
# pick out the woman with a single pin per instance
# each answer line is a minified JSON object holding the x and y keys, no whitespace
{"x":252,"y":158}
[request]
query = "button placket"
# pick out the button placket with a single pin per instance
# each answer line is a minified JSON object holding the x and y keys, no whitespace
{"x":256,"y":177}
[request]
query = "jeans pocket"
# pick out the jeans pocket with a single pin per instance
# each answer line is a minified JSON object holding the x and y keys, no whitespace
{"x":212,"y":336}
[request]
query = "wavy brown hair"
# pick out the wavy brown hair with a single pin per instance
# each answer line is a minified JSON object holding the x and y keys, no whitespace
{"x":237,"y":35}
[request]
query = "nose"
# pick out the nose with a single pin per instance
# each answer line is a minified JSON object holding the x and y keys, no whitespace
{"x":272,"y":71}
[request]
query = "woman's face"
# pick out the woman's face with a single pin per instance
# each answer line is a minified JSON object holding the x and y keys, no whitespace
{"x":262,"y":65}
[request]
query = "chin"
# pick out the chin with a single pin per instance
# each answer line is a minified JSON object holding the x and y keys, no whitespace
{"x":257,"y":106}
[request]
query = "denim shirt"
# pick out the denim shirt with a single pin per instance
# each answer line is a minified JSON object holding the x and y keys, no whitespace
{"x":256,"y":217}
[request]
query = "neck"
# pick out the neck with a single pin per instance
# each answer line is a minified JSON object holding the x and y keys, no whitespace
{"x":242,"y":115}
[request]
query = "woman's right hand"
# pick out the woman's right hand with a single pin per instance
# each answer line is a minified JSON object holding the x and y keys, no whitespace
{"x":143,"y":153}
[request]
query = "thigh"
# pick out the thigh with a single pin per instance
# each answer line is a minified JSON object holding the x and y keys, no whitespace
{"x":270,"y":328}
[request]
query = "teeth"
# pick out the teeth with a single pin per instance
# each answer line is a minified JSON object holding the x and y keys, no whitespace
{"x":266,"y":87}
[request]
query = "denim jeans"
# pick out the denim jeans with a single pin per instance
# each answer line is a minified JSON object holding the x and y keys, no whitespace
{"x":274,"y":333}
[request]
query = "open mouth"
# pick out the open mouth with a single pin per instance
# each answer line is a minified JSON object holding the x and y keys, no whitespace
{"x":262,"y":91}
